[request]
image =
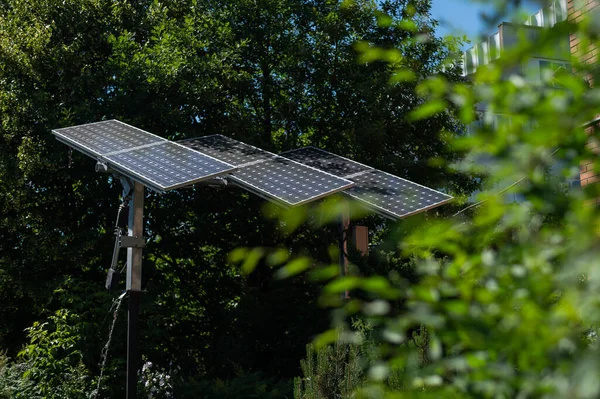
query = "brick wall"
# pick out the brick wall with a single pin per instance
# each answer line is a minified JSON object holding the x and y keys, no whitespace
{"x":577,"y":10}
{"x":586,"y":170}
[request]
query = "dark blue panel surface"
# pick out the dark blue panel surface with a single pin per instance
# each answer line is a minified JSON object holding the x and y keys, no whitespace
{"x":393,"y":195}
{"x":101,"y":138}
{"x":326,"y":161}
{"x":167,"y":166}
{"x":382,"y":192}
{"x":228,"y":150}
{"x":288,"y":181}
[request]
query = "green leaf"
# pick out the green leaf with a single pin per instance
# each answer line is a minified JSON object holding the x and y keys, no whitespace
{"x":324,"y":273}
{"x":429,"y":109}
{"x":342,"y":284}
{"x":326,"y":338}
{"x":293,"y":268}
{"x":278,"y":257}
{"x":251,"y":260}
{"x":238,"y":255}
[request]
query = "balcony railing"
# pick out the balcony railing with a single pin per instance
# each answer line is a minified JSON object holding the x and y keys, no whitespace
{"x":490,"y":49}
{"x":549,"y":16}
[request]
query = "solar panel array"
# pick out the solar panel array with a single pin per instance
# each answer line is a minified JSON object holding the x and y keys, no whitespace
{"x":297,"y":177}
{"x":273,"y":177}
{"x":152,"y":160}
{"x":386,"y":194}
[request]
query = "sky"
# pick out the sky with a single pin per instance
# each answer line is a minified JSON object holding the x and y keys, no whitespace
{"x":463,"y":17}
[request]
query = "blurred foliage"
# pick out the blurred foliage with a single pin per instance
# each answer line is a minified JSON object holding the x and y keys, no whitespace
{"x":339,"y":369}
{"x":504,"y":297}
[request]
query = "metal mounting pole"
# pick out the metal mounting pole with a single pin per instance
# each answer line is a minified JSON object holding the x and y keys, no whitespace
{"x":134,"y":287}
{"x":343,"y":244}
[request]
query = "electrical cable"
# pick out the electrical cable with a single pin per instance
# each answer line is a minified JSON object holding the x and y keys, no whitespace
{"x":113,"y":272}
{"x":482,"y":201}
{"x":499,"y":193}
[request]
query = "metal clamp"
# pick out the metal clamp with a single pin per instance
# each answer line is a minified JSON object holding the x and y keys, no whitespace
{"x":132,"y":242}
{"x":101,"y":167}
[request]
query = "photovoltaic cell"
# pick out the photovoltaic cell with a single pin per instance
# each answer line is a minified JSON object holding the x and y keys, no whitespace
{"x":167,"y":166}
{"x":228,"y":150}
{"x":101,"y":138}
{"x":326,"y":161}
{"x":289,"y":182}
{"x":394,"y":196}
{"x":387,"y":194}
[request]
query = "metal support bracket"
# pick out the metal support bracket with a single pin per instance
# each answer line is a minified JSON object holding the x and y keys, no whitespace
{"x":132,"y":242}
{"x":101,"y":167}
{"x":215,"y":182}
{"x":127,"y":184}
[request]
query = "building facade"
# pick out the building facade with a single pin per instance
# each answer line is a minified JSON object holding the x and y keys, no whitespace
{"x":586,"y":55}
{"x":509,"y":34}
{"x":541,"y":62}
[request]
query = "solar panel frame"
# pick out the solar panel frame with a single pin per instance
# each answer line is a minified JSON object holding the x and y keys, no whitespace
{"x":370,"y":204}
{"x":87,"y":148}
{"x":118,"y":162}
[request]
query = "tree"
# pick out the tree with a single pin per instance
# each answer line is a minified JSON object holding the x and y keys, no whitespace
{"x":333,"y":372}
{"x":50,"y":366}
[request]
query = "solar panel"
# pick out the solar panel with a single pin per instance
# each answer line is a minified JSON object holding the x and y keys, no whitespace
{"x":394,"y":196}
{"x":288,"y":181}
{"x":145,"y":157}
{"x":268,"y":175}
{"x":386,"y":194}
{"x":105,"y":137}
{"x":326,"y":161}
{"x":167,"y":166}
{"x":228,"y":150}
